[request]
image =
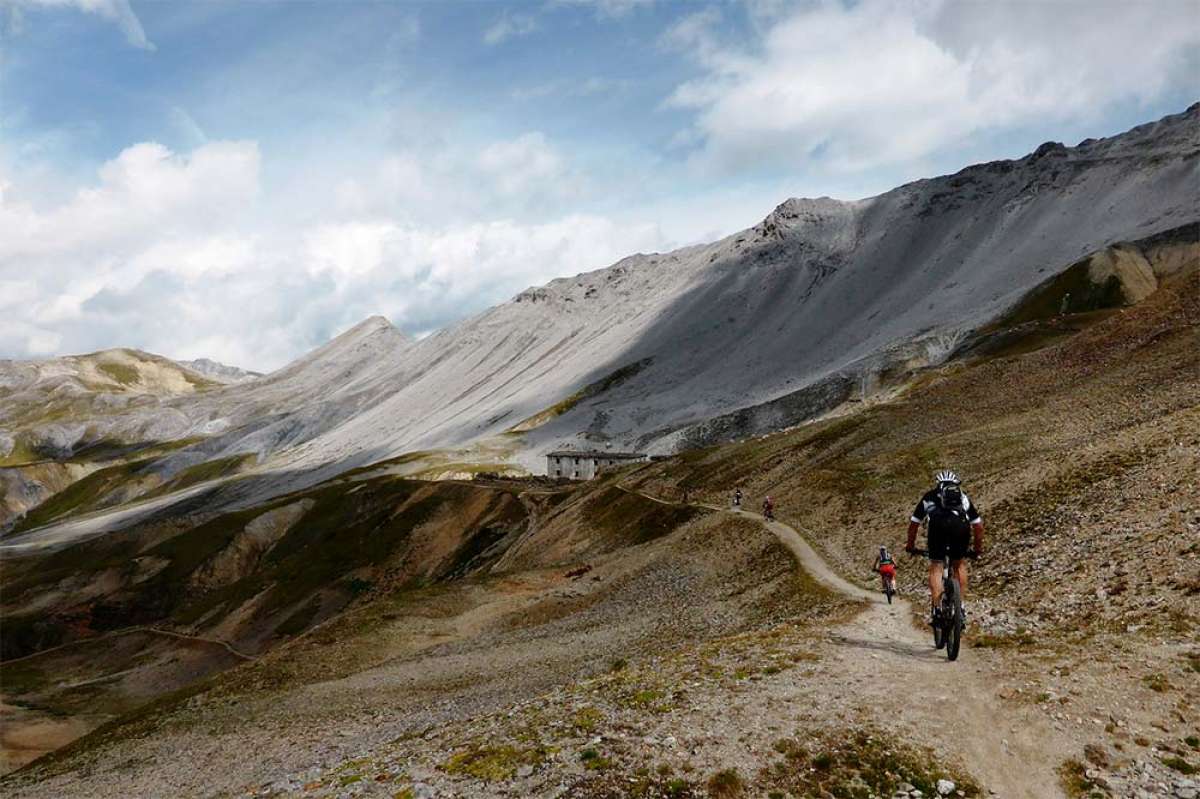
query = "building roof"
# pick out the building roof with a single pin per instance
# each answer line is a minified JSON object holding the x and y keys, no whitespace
{"x":594,"y":453}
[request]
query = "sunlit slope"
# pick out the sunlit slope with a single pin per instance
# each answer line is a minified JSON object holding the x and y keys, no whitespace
{"x":820,"y":287}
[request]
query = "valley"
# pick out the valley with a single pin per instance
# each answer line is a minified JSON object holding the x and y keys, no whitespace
{"x":344,"y":578}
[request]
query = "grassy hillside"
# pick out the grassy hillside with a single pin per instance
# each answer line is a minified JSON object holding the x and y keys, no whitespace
{"x":1082,"y":456}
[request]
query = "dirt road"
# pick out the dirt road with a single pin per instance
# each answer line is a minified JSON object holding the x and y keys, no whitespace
{"x":888,"y":662}
{"x":882,"y":661}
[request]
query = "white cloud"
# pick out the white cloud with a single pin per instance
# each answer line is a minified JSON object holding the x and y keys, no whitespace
{"x":186,"y":255}
{"x":525,"y":164}
{"x":611,"y":9}
{"x":119,"y":11}
{"x":563,"y":87}
{"x":509,"y":26}
{"x":849,"y":87}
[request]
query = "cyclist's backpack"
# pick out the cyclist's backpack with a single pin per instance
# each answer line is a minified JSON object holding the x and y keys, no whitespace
{"x":949,"y":516}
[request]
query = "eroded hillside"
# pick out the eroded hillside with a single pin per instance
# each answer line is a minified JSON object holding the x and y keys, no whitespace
{"x":759,"y":331}
{"x":598,"y":641}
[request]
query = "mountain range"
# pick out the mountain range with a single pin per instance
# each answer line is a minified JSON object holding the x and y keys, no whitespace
{"x":340,"y":578}
{"x":823,"y":302}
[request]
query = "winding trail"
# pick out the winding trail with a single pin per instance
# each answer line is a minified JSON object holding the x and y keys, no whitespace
{"x":228,"y":647}
{"x":882,"y":661}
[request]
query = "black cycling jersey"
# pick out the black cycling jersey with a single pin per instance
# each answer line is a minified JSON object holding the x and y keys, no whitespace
{"x":953,"y":540}
{"x":930,"y":501}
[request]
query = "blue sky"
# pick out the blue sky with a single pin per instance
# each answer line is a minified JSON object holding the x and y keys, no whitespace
{"x":241,"y":180}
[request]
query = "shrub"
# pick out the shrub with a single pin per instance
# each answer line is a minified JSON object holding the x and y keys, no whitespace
{"x":726,"y":784}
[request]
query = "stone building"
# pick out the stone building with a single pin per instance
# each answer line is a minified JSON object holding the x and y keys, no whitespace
{"x":586,"y":464}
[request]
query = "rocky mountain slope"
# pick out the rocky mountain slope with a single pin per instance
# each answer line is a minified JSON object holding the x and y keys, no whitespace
{"x":220,"y":372}
{"x":609,"y":640}
{"x":755,"y":332}
{"x":246,"y":574}
{"x":820,"y":288}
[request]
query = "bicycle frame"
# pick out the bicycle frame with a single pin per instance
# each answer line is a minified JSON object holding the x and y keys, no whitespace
{"x":947,"y":631}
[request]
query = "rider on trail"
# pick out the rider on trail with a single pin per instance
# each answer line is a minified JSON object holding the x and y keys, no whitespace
{"x":737,"y":498}
{"x":885,"y":566}
{"x":769,"y":508}
{"x":951,"y":519}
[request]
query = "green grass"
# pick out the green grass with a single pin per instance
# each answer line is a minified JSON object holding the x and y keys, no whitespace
{"x":626,"y":518}
{"x":21,"y":454}
{"x":493,"y":763}
{"x":726,"y":784}
{"x":122,"y":373}
{"x":1046,"y":300}
{"x":587,"y":719}
{"x":857,"y":765}
{"x":203,"y":472}
{"x":1157,"y":683}
{"x":594,"y":761}
{"x":593,"y":389}
{"x":81,"y":495}
{"x":1179,"y":764}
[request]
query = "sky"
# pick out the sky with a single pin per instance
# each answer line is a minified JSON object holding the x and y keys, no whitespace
{"x":244,"y":180}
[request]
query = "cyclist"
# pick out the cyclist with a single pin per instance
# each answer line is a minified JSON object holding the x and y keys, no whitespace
{"x":769,"y":509}
{"x":737,"y":499}
{"x":886,"y":566}
{"x":951,"y":522}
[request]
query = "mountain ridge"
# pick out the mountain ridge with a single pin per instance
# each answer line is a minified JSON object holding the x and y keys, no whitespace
{"x":821,"y":295}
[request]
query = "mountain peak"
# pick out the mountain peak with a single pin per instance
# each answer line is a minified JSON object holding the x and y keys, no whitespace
{"x":220,"y":372}
{"x":373,"y":324}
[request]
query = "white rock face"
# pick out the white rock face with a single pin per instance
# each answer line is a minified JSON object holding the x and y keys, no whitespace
{"x":219,"y":372}
{"x":820,"y":287}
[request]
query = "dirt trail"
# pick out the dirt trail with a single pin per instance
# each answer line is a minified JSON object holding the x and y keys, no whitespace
{"x":228,"y":647}
{"x":892,"y":663}
{"x":884,"y":662}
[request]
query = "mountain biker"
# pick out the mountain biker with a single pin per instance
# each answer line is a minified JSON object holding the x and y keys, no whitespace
{"x":769,"y":508}
{"x":737,"y":498}
{"x":886,"y":567}
{"x":951,"y":522}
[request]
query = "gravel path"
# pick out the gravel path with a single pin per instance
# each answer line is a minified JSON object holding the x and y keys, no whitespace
{"x":1014,"y":752}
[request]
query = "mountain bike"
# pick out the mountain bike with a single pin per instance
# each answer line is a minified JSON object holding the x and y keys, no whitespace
{"x":769,"y":514}
{"x":889,"y":583}
{"x":950,"y":621}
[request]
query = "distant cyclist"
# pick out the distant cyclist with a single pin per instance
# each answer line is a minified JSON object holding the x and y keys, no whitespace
{"x":886,"y":567}
{"x":951,"y":519}
{"x":769,"y":509}
{"x":737,"y":499}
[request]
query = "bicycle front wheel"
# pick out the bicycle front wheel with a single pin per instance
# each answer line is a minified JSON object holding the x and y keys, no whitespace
{"x":954,"y":627}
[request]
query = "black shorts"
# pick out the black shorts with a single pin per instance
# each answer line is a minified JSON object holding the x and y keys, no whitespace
{"x":954,"y":543}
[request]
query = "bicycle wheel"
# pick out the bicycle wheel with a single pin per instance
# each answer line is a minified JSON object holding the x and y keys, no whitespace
{"x":954,"y":627}
{"x":938,"y":635}
{"x":888,"y":590}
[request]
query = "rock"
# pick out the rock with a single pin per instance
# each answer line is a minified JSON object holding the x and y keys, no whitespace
{"x":524,"y":771}
{"x":945,"y":787}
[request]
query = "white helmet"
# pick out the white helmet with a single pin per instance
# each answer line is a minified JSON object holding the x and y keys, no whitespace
{"x":947,"y":476}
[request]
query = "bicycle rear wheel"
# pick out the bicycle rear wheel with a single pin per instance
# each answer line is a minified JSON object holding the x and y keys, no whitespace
{"x":954,"y":626}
